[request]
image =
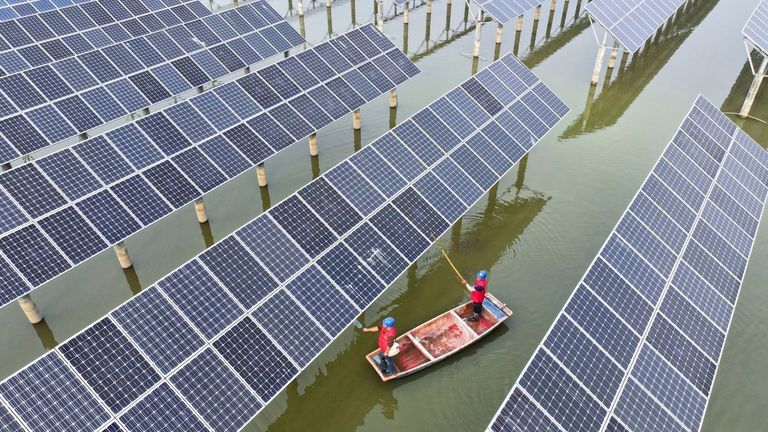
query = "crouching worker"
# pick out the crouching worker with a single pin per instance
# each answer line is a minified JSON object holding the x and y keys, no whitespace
{"x":477,"y":295}
{"x":387,"y":335}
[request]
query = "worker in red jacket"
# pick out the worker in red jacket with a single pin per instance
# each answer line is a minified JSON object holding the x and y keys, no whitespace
{"x":477,"y":295}
{"x":387,"y":335}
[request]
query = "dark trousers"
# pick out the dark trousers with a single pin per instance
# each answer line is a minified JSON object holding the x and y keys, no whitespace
{"x":387,"y":364}
{"x":477,"y":308}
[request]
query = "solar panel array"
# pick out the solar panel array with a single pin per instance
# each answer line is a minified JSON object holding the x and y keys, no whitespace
{"x":204,"y":344}
{"x":632,"y":22}
{"x":51,"y":103}
{"x":637,"y":345}
{"x":33,"y":37}
{"x":65,"y":207}
{"x":756,"y":29}
{"x":505,"y":11}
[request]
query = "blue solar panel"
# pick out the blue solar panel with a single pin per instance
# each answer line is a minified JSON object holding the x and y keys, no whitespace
{"x":322,"y":299}
{"x":161,"y":332}
{"x":632,"y":22}
{"x":215,"y":392}
{"x":110,"y":364}
{"x":303,"y":339}
{"x":238,"y":271}
{"x":73,"y":235}
{"x":162,"y":410}
{"x":228,"y":281}
{"x":66,"y":404}
{"x":33,"y":255}
{"x":167,"y":159}
{"x":504,"y":11}
{"x":659,"y":298}
{"x":255,"y":358}
{"x":200,"y":298}
{"x":283,"y":257}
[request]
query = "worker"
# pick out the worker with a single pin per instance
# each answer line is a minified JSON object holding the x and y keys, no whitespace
{"x":387,"y":336}
{"x":477,"y":294}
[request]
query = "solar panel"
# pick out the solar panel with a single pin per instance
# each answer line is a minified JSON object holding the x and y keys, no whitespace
{"x":326,"y":262}
{"x":632,"y":22}
{"x":169,"y":158}
{"x":129,"y":76}
{"x":504,"y":11}
{"x":637,"y":345}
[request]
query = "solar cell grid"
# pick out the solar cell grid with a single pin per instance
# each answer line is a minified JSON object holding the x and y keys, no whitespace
{"x":349,"y":274}
{"x":673,"y":273}
{"x":632,"y":22}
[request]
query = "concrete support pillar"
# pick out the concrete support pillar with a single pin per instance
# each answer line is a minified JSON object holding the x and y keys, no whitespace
{"x":599,"y":61}
{"x":552,"y":6}
{"x":202,"y":216}
{"x":261,"y":174}
{"x":30,"y":309}
{"x":499,"y":33}
{"x":537,"y":14}
{"x":406,"y":13}
{"x":122,"y":256}
{"x":519,"y":27}
{"x":429,"y":6}
{"x":393,"y":98}
{"x":313,"y":144}
{"x":380,"y":15}
{"x":478,"y":32}
{"x":356,"y":120}
{"x":614,"y":55}
{"x":302,"y":28}
{"x":753,"y":89}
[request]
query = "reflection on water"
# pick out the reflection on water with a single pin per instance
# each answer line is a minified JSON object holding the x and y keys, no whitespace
{"x":614,"y":100}
{"x":755,"y":125}
{"x":45,"y":335}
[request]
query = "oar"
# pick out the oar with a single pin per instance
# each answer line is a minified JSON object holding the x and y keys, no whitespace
{"x":453,"y":266}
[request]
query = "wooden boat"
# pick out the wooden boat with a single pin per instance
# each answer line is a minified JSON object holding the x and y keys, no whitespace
{"x":441,"y":337}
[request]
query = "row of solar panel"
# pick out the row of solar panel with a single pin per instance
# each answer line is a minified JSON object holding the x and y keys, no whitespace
{"x":104,"y":85}
{"x":11,"y":9}
{"x":632,"y":22}
{"x":25,"y":58}
{"x":756,"y":28}
{"x":504,"y":11}
{"x":692,"y":223}
{"x":134,"y":16}
{"x":180,"y":153}
{"x":245,"y":358}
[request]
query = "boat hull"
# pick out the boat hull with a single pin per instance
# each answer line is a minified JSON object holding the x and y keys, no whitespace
{"x":442,"y":337}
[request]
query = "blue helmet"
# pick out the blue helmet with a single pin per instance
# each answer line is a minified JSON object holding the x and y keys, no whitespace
{"x":389,"y":322}
{"x":482,"y":274}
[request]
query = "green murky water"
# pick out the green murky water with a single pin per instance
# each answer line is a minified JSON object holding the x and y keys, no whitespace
{"x":536,"y":232}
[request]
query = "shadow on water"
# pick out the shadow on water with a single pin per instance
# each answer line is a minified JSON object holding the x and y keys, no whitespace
{"x":344,"y":390}
{"x":614,"y":100}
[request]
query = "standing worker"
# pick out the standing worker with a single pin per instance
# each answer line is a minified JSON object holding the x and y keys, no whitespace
{"x":387,"y":336}
{"x":477,"y":294}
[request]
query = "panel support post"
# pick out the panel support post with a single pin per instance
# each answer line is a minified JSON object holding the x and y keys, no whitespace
{"x":753,"y":89}
{"x":202,"y":216}
{"x":261,"y":174}
{"x":519,"y":27}
{"x":499,"y":33}
{"x":478,"y":32}
{"x":313,"y":144}
{"x":599,"y":61}
{"x":393,"y":98}
{"x":30,"y":309}
{"x":122,"y":256}
{"x":614,"y":55}
{"x":380,"y":15}
{"x":356,"y":120}
{"x":537,"y":15}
